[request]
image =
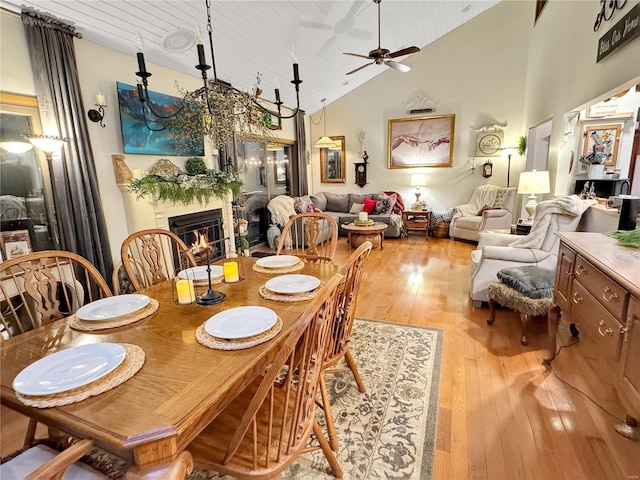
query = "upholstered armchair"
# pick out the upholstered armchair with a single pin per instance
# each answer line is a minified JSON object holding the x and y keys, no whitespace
{"x":496,"y":251}
{"x":490,"y":208}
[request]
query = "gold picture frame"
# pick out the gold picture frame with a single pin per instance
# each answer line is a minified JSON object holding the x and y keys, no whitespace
{"x":333,"y":162}
{"x":609,"y":134}
{"x":421,"y":142}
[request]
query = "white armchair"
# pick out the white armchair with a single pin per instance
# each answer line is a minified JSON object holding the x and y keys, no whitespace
{"x":490,"y":208}
{"x":496,"y":251}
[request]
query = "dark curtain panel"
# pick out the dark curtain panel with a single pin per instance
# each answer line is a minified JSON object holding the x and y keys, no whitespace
{"x":78,"y":207}
{"x":300,"y":184}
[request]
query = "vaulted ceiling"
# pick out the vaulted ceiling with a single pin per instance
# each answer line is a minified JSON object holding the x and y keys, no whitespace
{"x":258,"y":36}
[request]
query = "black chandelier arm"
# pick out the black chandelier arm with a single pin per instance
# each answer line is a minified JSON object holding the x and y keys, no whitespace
{"x":147,"y":101}
{"x":144,"y":117}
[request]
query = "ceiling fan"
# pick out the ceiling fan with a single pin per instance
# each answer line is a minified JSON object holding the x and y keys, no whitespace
{"x":382,"y":55}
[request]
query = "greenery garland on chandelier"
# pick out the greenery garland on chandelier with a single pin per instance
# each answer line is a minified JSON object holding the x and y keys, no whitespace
{"x":186,"y":189}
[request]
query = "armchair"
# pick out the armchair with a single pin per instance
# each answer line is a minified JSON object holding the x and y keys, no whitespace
{"x":490,"y":208}
{"x":496,"y":251}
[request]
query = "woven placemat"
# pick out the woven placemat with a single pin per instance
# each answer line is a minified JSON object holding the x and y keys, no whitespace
{"x":133,"y":361}
{"x":92,"y":326}
{"x":221,"y":344}
{"x":279,"y":297}
{"x":277,"y":271}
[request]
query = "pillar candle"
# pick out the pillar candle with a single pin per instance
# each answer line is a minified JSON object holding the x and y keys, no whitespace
{"x":185,"y":291}
{"x":231,"y":272}
{"x":363,"y":217}
{"x":100,"y":99}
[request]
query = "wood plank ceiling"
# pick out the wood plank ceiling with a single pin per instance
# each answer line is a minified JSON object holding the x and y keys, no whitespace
{"x":258,"y":36}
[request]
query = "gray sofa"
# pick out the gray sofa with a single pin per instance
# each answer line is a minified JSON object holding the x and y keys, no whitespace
{"x":339,"y":205}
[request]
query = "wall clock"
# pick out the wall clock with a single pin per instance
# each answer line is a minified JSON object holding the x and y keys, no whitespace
{"x":361,"y":174}
{"x":487,"y":169}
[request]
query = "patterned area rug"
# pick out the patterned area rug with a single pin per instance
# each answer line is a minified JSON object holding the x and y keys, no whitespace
{"x":389,"y":431}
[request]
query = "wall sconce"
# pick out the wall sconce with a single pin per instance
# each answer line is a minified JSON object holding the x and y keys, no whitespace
{"x":473,"y":164}
{"x":98,"y":115}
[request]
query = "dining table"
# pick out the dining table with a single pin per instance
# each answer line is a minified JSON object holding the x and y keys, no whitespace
{"x":150,"y":419}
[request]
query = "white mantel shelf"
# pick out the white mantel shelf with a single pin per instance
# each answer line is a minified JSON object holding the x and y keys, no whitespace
{"x":143,"y":213}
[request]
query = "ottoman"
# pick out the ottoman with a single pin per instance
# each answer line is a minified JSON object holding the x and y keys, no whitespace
{"x":527,"y":290}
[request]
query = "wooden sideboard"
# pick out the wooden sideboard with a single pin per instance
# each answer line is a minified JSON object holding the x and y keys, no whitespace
{"x":597,"y":287}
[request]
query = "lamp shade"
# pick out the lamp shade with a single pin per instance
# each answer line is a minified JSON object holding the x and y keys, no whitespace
{"x":534,"y":182}
{"x":418,"y":180}
{"x":46,"y":143}
{"x":325,"y":142}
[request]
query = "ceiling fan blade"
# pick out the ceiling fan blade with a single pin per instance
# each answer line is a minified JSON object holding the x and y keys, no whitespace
{"x":357,"y":55}
{"x":359,"y":34}
{"x":359,"y":68}
{"x":318,"y":25}
{"x":404,"y":51}
{"x":398,"y":66}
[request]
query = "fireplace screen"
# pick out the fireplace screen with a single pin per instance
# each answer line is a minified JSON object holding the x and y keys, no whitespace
{"x":201,"y":231}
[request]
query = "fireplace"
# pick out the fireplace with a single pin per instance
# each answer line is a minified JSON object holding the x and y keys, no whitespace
{"x":201,"y":231}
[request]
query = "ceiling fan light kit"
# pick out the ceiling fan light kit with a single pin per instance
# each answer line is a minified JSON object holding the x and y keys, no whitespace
{"x":382,"y":56}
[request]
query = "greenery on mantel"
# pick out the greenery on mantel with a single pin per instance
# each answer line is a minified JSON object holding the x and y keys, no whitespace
{"x":187,"y":189}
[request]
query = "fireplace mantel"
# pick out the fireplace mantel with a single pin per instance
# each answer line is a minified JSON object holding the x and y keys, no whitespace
{"x":143,"y":213}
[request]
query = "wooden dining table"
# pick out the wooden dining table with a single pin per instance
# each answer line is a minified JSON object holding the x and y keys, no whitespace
{"x":151,"y":418}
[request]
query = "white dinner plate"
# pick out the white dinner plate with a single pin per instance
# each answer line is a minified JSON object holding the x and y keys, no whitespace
{"x":277,"y":261}
{"x":113,"y":307}
{"x":199,"y":273}
{"x":241,"y":322}
{"x":292,"y":284}
{"x":69,"y":369}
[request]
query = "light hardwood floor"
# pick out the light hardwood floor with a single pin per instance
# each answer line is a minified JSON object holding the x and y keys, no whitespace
{"x":501,"y":415}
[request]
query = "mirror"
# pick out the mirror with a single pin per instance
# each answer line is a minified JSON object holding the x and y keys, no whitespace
{"x":332,"y":162}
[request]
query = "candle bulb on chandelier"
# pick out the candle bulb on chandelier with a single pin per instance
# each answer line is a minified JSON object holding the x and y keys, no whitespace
{"x":276,"y":82}
{"x":200,"y":47}
{"x":140,"y":47}
{"x":294,"y":57}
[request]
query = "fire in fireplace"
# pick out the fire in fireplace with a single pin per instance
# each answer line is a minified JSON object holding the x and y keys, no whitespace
{"x":201,"y":231}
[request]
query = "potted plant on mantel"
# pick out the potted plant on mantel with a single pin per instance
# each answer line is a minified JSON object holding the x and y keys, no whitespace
{"x":165,"y":181}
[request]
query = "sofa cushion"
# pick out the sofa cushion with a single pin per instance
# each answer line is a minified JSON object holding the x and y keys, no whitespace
{"x":319,"y":200}
{"x":530,"y":281}
{"x":303,"y":204}
{"x":384,"y":204}
{"x":337,"y":202}
{"x":369,"y":205}
{"x":357,"y":198}
{"x":357,"y":208}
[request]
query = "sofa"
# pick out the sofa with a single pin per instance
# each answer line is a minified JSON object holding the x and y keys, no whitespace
{"x":341,"y":208}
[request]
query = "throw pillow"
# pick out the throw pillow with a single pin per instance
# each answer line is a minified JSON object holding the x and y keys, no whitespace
{"x":319,"y":200}
{"x":303,"y":204}
{"x":384,"y":204}
{"x":357,"y":208}
{"x":530,"y":281}
{"x":357,"y":198}
{"x":369,"y":205}
{"x":337,"y":202}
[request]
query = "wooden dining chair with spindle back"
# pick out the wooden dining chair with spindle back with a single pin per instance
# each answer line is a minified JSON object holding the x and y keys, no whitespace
{"x":268,"y":425}
{"x":42,"y":287}
{"x":311,"y":236}
{"x":153,"y":256}
{"x":338,"y":346}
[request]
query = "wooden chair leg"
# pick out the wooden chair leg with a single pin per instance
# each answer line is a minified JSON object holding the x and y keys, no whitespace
{"x":352,"y":365}
{"x":524,"y":318}
{"x":328,"y":415}
{"x":30,"y":436}
{"x":331,"y":458}
{"x":492,"y":311}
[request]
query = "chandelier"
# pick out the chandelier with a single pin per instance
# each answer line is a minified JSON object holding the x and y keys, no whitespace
{"x":217,"y":109}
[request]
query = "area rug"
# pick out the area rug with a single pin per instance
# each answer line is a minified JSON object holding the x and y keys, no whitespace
{"x":389,"y":431}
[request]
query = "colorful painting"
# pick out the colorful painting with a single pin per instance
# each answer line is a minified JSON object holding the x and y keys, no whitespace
{"x":178,"y":135}
{"x":421,"y":142}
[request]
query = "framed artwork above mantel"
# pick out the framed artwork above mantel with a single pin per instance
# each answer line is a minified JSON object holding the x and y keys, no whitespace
{"x":421,"y":142}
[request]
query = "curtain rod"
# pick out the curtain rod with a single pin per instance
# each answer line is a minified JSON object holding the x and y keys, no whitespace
{"x":30,"y":16}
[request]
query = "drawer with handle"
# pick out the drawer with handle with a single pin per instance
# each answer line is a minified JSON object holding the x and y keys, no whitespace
{"x":600,"y":333}
{"x":605,"y":290}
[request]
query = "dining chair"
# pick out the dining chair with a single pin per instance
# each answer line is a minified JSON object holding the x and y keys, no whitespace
{"x":41,"y":287}
{"x":42,"y":462}
{"x":311,"y":236}
{"x":338,"y":345}
{"x":153,"y":256}
{"x":266,"y":427}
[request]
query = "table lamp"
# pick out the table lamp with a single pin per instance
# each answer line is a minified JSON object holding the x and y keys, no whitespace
{"x":533,"y":183}
{"x":418,"y":180}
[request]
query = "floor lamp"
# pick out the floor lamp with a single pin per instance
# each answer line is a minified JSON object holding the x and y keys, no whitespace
{"x":508,"y":151}
{"x":49,"y":145}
